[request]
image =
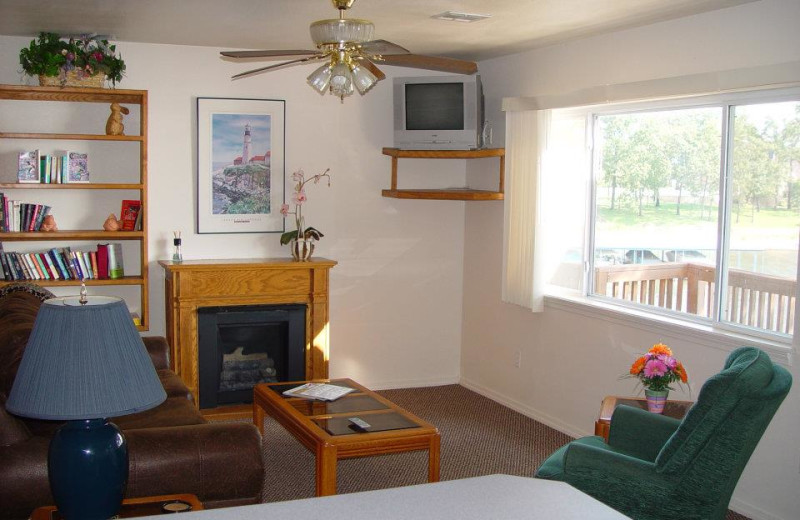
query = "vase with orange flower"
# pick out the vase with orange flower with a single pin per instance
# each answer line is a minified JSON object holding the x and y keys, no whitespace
{"x":656,"y":371}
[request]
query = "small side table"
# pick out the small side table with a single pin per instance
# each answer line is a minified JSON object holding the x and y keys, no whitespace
{"x":676,"y":409}
{"x":131,"y":507}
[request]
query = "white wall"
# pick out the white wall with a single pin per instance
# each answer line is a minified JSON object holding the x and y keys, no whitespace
{"x":396,"y":293}
{"x":570,"y":359}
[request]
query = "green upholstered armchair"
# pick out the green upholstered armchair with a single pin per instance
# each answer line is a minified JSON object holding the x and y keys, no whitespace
{"x":656,"y":467}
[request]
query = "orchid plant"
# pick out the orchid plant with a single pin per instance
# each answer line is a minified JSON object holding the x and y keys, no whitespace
{"x":657,"y":369}
{"x":298,"y":198}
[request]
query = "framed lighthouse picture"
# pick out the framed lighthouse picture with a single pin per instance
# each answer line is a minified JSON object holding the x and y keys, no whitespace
{"x":240,"y":165}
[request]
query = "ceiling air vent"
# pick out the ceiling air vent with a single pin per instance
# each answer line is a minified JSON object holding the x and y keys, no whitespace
{"x":453,"y":16}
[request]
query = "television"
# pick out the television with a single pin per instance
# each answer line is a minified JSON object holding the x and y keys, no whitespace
{"x":438,"y":112}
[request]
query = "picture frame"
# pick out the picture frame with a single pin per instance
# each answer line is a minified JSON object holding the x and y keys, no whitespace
{"x":241,"y":174}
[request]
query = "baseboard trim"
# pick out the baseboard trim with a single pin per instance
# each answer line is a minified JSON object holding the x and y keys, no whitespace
{"x":408,"y":383}
{"x":743,"y":508}
{"x":751,"y":511}
{"x":556,"y":424}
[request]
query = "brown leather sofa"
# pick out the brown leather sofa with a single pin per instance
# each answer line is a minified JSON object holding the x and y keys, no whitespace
{"x":172,"y":448}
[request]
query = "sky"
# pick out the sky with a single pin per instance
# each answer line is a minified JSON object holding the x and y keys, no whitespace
{"x":228,"y":135}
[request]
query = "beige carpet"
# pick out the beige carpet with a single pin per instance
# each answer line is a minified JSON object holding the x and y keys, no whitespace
{"x":479,"y":437}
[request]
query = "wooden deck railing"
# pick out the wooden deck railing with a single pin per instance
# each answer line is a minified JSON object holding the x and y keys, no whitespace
{"x":757,"y":300}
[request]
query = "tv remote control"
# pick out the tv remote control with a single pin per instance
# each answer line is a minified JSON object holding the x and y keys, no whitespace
{"x":359,"y":422}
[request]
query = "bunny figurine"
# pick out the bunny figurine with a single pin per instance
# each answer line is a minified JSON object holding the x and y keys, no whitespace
{"x":114,"y":124}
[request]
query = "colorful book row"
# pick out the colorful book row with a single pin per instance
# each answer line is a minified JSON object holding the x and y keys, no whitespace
{"x":62,"y":168}
{"x":21,"y":216}
{"x":64,"y":264}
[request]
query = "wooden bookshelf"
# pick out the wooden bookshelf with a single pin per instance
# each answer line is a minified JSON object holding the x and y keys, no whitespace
{"x":86,"y":95}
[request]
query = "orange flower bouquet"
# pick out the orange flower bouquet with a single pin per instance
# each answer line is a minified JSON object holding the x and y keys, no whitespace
{"x":656,"y":371}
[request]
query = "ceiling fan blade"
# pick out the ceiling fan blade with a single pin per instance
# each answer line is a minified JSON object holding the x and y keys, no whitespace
{"x":383,"y":47}
{"x":266,"y":54}
{"x":418,"y":61}
{"x":378,"y":73}
{"x":276,"y":66}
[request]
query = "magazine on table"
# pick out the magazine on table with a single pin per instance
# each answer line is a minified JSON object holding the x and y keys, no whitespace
{"x":318,"y":391}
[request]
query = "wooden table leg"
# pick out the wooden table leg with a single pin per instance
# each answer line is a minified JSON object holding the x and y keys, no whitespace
{"x":433,"y":459}
{"x":258,"y":416}
{"x":326,"y":470}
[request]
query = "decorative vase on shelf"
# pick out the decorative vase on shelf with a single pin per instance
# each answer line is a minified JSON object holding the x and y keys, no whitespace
{"x":302,"y":248}
{"x":656,"y":399}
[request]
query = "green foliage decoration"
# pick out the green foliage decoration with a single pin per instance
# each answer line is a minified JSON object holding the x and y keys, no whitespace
{"x":50,"y":55}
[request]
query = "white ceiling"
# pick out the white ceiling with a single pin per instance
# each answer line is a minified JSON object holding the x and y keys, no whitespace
{"x":515,"y":25}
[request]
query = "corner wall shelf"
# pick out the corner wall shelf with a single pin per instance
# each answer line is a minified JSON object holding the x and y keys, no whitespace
{"x":444,"y":194}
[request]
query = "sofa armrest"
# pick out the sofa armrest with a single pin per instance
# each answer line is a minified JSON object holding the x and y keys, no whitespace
{"x":158,"y":348}
{"x":219,"y":463}
{"x":23,"y":478}
{"x":640,"y":433}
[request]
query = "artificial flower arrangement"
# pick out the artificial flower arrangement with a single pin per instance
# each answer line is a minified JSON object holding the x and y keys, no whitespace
{"x":658,"y":369}
{"x":51,"y":56}
{"x":298,"y":198}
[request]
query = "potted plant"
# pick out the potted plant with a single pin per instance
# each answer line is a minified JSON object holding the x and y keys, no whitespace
{"x":656,"y":370}
{"x":301,"y":239}
{"x":85,"y":61}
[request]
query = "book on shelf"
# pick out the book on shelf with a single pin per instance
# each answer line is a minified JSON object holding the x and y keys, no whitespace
{"x":82,"y":271}
{"x":318,"y":391}
{"x":78,"y":167}
{"x":28,"y":167}
{"x":59,"y":263}
{"x":93,"y":261}
{"x":102,"y":261}
{"x":129,"y":214}
{"x":116,"y":269}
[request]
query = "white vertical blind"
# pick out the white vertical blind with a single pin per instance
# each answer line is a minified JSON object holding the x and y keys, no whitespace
{"x":526,"y":133}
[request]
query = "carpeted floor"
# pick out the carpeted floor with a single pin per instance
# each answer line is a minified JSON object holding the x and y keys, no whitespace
{"x":479,"y":437}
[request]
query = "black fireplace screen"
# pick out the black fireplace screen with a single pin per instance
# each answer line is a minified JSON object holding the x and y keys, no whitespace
{"x":239,"y":347}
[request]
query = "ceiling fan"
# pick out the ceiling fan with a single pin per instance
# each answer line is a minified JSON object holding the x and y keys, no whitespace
{"x":350,"y":53}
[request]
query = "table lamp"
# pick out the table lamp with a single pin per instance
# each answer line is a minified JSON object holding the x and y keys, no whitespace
{"x":84,"y":363}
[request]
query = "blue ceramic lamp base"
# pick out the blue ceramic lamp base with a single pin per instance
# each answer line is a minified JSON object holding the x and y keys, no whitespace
{"x":88,"y":469}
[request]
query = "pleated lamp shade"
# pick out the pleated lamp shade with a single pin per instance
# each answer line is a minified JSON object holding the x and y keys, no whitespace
{"x":84,"y":362}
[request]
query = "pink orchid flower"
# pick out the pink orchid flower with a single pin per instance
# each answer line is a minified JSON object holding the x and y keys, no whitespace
{"x":299,"y":197}
{"x":285,"y":210}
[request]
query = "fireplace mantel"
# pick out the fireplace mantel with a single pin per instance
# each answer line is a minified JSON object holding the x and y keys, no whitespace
{"x":192,"y":284}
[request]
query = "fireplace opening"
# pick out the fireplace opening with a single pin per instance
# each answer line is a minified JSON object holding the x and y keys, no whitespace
{"x":241,"y":346}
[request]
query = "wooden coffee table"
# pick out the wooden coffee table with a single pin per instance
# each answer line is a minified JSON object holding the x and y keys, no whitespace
{"x":325,"y":430}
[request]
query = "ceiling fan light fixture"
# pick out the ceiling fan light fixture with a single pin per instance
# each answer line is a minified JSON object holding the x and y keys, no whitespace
{"x":320,"y":78}
{"x":341,"y":83}
{"x":362,"y":78}
{"x":351,"y":30}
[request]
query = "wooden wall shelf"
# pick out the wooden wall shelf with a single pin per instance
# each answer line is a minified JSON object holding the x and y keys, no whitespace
{"x":445,"y":194}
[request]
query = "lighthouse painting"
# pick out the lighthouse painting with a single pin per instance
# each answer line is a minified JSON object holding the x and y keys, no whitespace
{"x":240,"y":165}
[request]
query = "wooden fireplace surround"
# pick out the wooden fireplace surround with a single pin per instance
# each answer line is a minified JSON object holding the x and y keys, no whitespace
{"x":193,"y":284}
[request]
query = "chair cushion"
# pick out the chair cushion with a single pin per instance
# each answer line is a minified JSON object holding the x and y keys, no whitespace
{"x":747,"y":371}
{"x":12,"y":429}
{"x":174,"y":385}
{"x":27,"y":287}
{"x":175,"y":411}
{"x":17,"y":313}
{"x":553,"y":467}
